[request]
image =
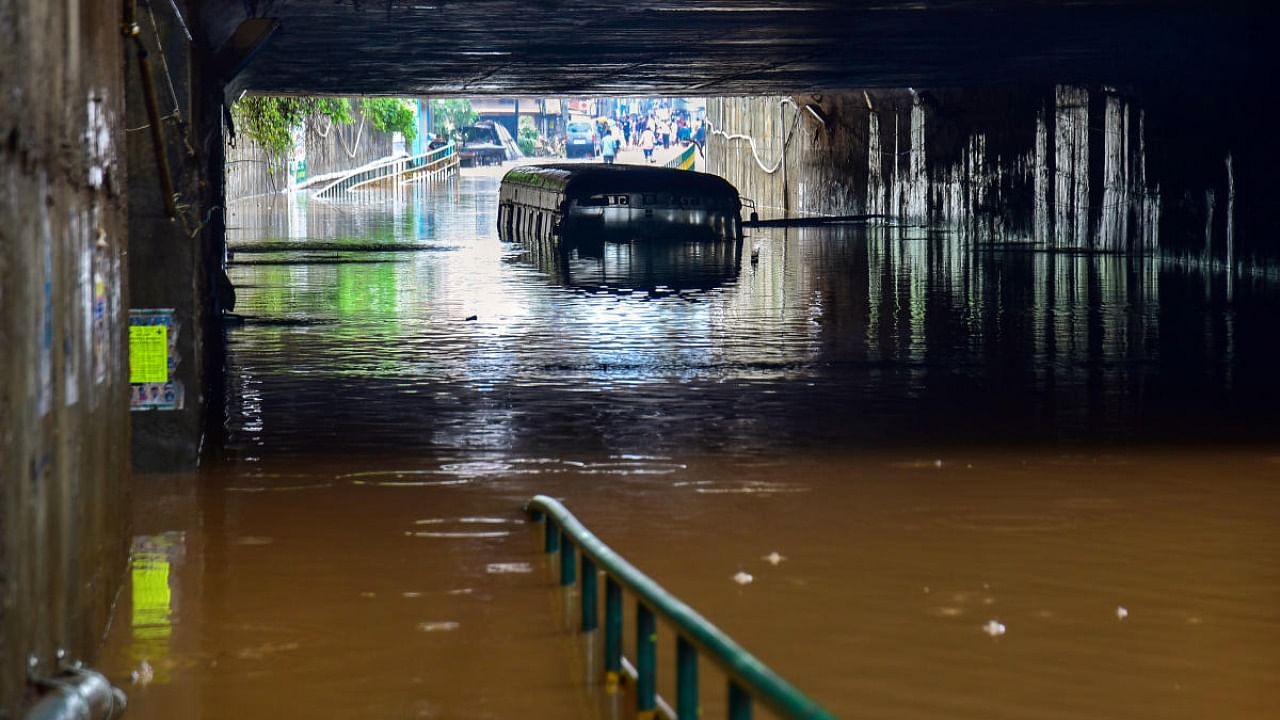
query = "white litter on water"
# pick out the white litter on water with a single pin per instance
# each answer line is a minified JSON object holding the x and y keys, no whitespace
{"x":505,"y":568}
{"x":439,"y":626}
{"x":1121,"y":612}
{"x":143,"y":675}
{"x":743,"y":578}
{"x":994,"y":628}
{"x":774,"y":558}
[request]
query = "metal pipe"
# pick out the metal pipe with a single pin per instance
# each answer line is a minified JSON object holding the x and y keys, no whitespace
{"x":646,"y":660}
{"x":566,"y":560}
{"x":78,"y":695}
{"x":552,"y":542}
{"x":153,"y":119}
{"x":612,"y":633}
{"x":739,"y":702}
{"x":590,"y":610}
{"x":686,"y":680}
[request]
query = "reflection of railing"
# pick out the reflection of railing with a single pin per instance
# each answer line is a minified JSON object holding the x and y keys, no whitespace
{"x":748,"y":678}
{"x":685,"y":160}
{"x":429,"y":165}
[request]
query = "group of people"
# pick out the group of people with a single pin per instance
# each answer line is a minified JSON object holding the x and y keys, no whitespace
{"x":647,"y":132}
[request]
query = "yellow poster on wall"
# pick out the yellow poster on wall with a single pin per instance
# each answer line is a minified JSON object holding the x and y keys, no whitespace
{"x":148,"y":354}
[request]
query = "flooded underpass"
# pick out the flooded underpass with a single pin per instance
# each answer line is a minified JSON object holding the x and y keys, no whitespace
{"x":916,"y":480}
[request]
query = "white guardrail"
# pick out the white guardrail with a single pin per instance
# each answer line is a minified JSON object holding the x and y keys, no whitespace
{"x":402,"y":169}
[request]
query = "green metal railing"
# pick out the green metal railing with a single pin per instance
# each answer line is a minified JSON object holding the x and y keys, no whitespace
{"x":749,"y":679}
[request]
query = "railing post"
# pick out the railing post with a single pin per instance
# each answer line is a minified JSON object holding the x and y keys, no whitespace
{"x":588,"y":581}
{"x":567,"y":561}
{"x":612,"y":633}
{"x":552,"y":543}
{"x":739,"y":702}
{"x":646,"y":662}
{"x":686,"y":680}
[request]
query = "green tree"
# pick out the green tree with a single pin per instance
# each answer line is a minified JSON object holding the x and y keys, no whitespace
{"x":391,"y":115}
{"x":529,"y":137}
{"x":451,"y":116}
{"x":268,"y":121}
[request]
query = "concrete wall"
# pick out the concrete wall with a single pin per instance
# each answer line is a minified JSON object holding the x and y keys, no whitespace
{"x":252,"y":171}
{"x":1064,"y":167}
{"x":176,"y":263}
{"x":335,"y":148}
{"x":64,"y":422}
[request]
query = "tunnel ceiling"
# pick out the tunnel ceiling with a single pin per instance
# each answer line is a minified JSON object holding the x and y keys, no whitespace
{"x":714,"y":47}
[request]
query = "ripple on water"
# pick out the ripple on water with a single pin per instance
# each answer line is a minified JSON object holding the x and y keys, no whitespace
{"x":399,"y":478}
{"x":749,"y":487}
{"x":449,"y":531}
{"x":277,"y":488}
{"x":1012,"y":523}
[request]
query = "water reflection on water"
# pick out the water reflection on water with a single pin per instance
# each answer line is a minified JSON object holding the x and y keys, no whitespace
{"x":898,"y":440}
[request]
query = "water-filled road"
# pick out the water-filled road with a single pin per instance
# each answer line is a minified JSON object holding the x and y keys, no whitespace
{"x":962,"y":485}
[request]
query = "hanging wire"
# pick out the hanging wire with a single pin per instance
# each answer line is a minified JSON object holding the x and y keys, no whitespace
{"x":164,"y":61}
{"x":168,"y":76}
{"x":351,"y":152}
{"x":755,"y":153}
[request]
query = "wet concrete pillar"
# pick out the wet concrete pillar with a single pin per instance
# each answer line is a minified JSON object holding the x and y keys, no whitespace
{"x":64,"y":419}
{"x":175,"y":260}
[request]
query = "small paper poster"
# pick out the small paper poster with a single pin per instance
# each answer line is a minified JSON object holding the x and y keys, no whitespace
{"x":148,"y":354}
{"x":153,"y":360}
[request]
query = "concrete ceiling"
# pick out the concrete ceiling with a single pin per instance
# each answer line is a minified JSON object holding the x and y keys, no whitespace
{"x":720,"y":47}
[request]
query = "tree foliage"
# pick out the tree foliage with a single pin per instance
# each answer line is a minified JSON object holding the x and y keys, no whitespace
{"x":391,"y":115}
{"x":268,"y":121}
{"x":528,"y":137}
{"x":451,"y":116}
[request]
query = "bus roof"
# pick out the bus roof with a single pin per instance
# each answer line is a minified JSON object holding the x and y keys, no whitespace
{"x":583,"y":179}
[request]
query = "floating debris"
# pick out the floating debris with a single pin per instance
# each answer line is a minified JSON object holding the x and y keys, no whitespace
{"x":743,"y":578}
{"x":994,"y":628}
{"x":143,"y":675}
{"x":507,"y":568}
{"x":438,"y":626}
{"x":463,"y":534}
{"x":774,"y":558}
{"x":1121,"y":612}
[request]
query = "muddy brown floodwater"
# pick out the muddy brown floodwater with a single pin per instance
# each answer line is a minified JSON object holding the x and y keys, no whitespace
{"x":964,"y":485}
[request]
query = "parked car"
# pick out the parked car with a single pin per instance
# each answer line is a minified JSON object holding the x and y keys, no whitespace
{"x":487,"y":143}
{"x":581,"y":139}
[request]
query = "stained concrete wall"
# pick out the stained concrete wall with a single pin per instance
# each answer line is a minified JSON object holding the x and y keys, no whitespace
{"x":335,"y":148}
{"x":64,"y":418}
{"x":176,"y":262}
{"x":1062,"y":167}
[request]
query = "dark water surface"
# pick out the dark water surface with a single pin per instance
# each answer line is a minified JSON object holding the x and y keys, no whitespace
{"x":1082,"y":449}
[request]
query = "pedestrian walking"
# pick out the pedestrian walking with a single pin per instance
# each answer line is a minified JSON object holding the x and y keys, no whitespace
{"x":609,"y":146}
{"x":647,"y":143}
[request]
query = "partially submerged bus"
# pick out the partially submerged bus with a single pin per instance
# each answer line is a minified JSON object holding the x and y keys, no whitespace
{"x":572,"y":204}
